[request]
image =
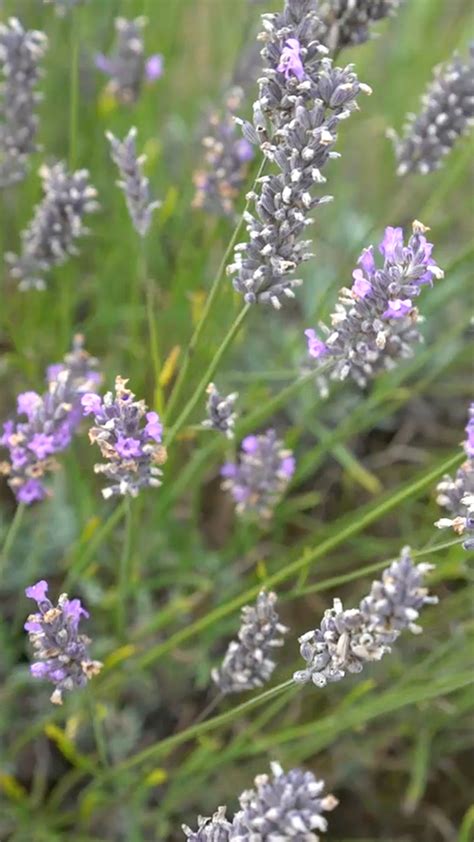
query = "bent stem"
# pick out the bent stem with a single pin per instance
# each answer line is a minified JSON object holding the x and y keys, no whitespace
{"x":124,"y":572}
{"x":12,"y":533}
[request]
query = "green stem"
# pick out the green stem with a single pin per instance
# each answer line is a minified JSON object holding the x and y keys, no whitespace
{"x":124,"y":573}
{"x":176,"y":390}
{"x":158,"y":398}
{"x":205,"y":380}
{"x":12,"y":533}
{"x":97,"y":729}
{"x":79,"y":564}
{"x":74,"y":91}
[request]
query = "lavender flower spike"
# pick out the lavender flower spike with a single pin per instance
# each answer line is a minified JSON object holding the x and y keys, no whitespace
{"x":133,"y":452}
{"x":374,"y":322}
{"x":348,"y":639}
{"x":258,"y":480}
{"x":345,"y":23}
{"x":58,"y":222}
{"x":220,"y":411}
{"x":248,"y":663}
{"x":51,"y":421}
{"x":457,"y":495}
{"x":21,"y":52}
{"x":133,"y":183}
{"x":127,"y":65}
{"x":447,"y":114}
{"x":210,"y":829}
{"x":62,"y":653}
{"x":302,"y":100}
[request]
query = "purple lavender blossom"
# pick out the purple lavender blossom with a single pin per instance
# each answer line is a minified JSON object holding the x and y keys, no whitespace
{"x":133,"y":183}
{"x":344,"y":23}
{"x":260,"y":477}
{"x":221,"y":414}
{"x":373,"y":325}
{"x":51,"y":421}
{"x":127,"y":65}
{"x":290,"y":60}
{"x":133,"y":451}
{"x":214,"y":828}
{"x":62,"y":653}
{"x":457,"y":495}
{"x":347,"y":639}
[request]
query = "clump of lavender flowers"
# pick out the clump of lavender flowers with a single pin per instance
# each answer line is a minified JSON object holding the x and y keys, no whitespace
{"x":248,"y":663}
{"x":133,"y":183}
{"x":302,"y":99}
{"x":283,"y":806}
{"x":58,"y":222}
{"x":457,"y":495}
{"x":447,"y":113}
{"x":344,"y":23}
{"x":62,"y":654}
{"x":221,"y":414}
{"x":51,"y":421}
{"x":348,"y":639}
{"x":21,"y":52}
{"x":259,"y":479}
{"x":127,"y":66}
{"x":227,"y":156}
{"x":374,"y":323}
{"x":133,"y":452}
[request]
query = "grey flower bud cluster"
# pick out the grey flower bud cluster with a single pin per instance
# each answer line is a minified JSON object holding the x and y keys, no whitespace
{"x":447,"y":113}
{"x":21,"y":52}
{"x":344,"y":23}
{"x":126,"y":65}
{"x":248,"y":663}
{"x":302,"y":99}
{"x":221,"y":415}
{"x":58,"y":221}
{"x":457,"y":495}
{"x":282,"y":807}
{"x":133,"y":183}
{"x":348,"y":639}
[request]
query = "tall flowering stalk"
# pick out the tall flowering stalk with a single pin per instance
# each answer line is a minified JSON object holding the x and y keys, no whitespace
{"x":457,"y":495}
{"x":62,"y":654}
{"x":58,"y":221}
{"x":260,"y":477}
{"x":446,"y":114}
{"x":133,"y":183}
{"x":132,"y":450}
{"x":345,"y":23}
{"x":347,"y":639}
{"x":127,"y":66}
{"x":302,"y":99}
{"x":21,"y":53}
{"x":374,"y":323}
{"x":248,"y":661}
{"x":51,"y":421}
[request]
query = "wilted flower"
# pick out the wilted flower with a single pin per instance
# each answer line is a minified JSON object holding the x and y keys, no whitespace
{"x":302,"y":100}
{"x":58,"y":222}
{"x":447,"y":113}
{"x":221,"y":414}
{"x":258,"y":480}
{"x":127,"y":65}
{"x":210,"y":829}
{"x":51,"y":421}
{"x":62,"y":653}
{"x":374,"y":323}
{"x":21,"y":52}
{"x":347,"y":639}
{"x":457,"y":495}
{"x":133,"y":183}
{"x":344,"y":23}
{"x":133,"y":452}
{"x":248,"y":661}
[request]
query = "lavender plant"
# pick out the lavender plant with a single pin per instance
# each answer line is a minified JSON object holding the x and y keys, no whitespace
{"x":447,"y":113}
{"x":248,"y":661}
{"x":127,"y":67}
{"x":58,"y":221}
{"x":259,"y":479}
{"x":21,"y":54}
{"x":62,"y":653}
{"x":302,"y":99}
{"x":51,"y":421}
{"x":374,"y":323}
{"x":133,"y":183}
{"x":133,"y":452}
{"x":221,"y":414}
{"x":457,"y":495}
{"x":348,"y":639}
{"x":345,"y":23}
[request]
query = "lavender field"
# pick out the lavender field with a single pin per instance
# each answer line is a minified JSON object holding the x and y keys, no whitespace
{"x":236,"y":421}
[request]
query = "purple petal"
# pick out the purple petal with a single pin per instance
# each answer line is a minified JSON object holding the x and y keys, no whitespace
{"x":154,"y":67}
{"x":316,"y":347}
{"x":38,"y":591}
{"x":103,"y":63}
{"x":391,"y":246}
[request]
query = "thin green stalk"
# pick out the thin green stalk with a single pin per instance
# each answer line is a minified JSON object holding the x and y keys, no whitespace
{"x":158,"y":397}
{"x":12,"y":533}
{"x":123,"y":594}
{"x":211,"y":369}
{"x":80,"y":563}
{"x":97,"y":729}
{"x":176,"y":390}
{"x":74,"y":90}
